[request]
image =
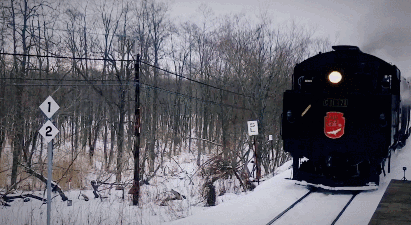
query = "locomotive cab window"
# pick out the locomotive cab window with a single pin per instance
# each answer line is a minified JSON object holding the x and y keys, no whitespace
{"x":386,"y":81}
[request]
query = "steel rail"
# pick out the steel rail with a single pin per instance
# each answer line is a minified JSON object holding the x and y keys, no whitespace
{"x":345,"y":207}
{"x":290,"y":207}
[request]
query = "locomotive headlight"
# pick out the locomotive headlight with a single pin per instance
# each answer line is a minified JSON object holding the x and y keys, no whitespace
{"x":335,"y":77}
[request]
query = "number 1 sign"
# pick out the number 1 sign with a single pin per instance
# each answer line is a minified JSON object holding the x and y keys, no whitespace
{"x":49,"y":107}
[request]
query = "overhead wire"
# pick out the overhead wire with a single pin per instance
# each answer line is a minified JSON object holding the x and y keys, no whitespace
{"x":128,"y":60}
{"x":128,"y":83}
{"x":111,"y":84}
{"x":196,"y":81}
{"x":65,"y":57}
{"x":196,"y":98}
{"x":78,"y":30}
{"x":123,"y":60}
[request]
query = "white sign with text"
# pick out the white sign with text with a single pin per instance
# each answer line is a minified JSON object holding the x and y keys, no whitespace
{"x":252,"y":128}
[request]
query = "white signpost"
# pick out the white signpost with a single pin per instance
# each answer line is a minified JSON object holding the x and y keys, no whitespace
{"x":49,"y":131}
{"x":253,"y":131}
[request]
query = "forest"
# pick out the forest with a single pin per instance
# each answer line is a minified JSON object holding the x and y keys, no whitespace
{"x":200,"y":81}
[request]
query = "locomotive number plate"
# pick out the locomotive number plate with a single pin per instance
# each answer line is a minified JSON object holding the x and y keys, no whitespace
{"x":335,"y":102}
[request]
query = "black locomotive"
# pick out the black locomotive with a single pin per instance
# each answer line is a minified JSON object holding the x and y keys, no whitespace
{"x":344,"y":116}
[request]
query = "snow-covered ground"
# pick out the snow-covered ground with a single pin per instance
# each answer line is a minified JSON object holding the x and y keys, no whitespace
{"x":254,"y":207}
{"x":274,"y":195}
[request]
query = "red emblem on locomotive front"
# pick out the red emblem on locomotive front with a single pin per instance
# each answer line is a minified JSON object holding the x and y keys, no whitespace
{"x":334,"y":124}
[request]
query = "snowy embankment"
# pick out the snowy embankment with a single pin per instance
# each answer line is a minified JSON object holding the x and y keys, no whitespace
{"x":254,"y":207}
{"x":274,"y":195}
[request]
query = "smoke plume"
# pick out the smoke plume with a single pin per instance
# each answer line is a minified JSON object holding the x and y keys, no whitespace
{"x":386,"y":30}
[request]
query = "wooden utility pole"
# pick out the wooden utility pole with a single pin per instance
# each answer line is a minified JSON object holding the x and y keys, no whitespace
{"x":135,"y":190}
{"x":257,"y":160}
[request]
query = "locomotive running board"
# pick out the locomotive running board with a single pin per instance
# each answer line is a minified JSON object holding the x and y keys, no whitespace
{"x":321,"y":186}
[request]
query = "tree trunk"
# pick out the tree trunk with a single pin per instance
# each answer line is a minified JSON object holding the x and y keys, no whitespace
{"x":120,"y":137}
{"x":152,"y":154}
{"x":18,"y":122}
{"x":105,"y":136}
{"x":113,"y":139}
{"x":18,"y":137}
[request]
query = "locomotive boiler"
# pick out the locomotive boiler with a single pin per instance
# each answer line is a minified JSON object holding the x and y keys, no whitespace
{"x":344,"y":116}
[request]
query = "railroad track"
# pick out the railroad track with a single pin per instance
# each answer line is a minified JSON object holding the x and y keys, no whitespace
{"x":354,"y":194}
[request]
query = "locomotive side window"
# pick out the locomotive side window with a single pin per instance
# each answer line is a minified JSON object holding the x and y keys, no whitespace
{"x":300,"y":81}
{"x":386,"y":81}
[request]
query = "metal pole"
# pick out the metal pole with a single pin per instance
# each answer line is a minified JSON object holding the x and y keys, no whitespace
{"x":272,"y":153}
{"x":49,"y":177}
{"x":257,"y":156}
{"x":136,"y":183}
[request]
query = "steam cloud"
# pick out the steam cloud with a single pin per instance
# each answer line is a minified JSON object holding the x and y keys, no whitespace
{"x":386,"y":29}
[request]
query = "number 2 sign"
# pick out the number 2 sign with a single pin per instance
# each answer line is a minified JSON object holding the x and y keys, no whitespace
{"x":48,"y":131}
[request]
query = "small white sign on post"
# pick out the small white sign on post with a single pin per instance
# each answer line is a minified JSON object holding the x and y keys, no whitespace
{"x":270,"y":137}
{"x":49,"y":107}
{"x":48,"y":131}
{"x":252,"y":128}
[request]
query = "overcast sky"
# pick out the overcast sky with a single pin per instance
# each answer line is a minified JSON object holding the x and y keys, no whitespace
{"x":379,"y":27}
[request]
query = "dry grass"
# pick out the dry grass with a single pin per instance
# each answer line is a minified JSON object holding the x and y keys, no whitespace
{"x":4,"y":169}
{"x":63,"y":172}
{"x":75,"y":174}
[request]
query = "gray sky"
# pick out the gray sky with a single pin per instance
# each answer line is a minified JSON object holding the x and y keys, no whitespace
{"x":379,"y":27}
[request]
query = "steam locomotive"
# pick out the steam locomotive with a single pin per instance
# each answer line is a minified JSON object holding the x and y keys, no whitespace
{"x":344,"y":116}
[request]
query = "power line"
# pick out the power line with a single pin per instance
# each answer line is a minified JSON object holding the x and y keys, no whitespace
{"x":126,"y":60}
{"x":59,"y":80}
{"x":147,"y":86}
{"x":65,"y":57}
{"x":196,"y":81}
{"x":70,"y":85}
{"x":129,"y":60}
{"x":196,"y":98}
{"x":78,"y":30}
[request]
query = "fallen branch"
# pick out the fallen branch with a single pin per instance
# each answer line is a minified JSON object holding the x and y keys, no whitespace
{"x":95,"y":185}
{"x":12,"y":197}
{"x":239,"y":179}
{"x":85,"y":197}
{"x":3,"y":203}
{"x":54,"y":187}
{"x":175,"y":196}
